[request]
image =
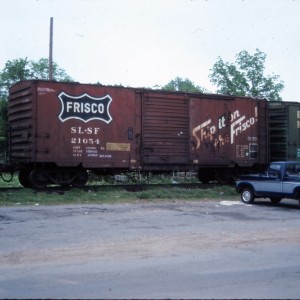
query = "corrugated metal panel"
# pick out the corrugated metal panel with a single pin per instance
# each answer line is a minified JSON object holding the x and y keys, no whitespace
{"x":263,"y":127}
{"x":284,"y":121}
{"x":278,"y":131}
{"x":165,"y":129}
{"x":20,"y":119}
{"x":294,"y":132}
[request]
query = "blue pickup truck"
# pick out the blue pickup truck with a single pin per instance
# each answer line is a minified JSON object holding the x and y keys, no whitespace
{"x":280,"y":180}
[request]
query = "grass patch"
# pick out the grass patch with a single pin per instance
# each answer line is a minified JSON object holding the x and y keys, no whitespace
{"x":112,"y":195}
{"x":225,"y":192}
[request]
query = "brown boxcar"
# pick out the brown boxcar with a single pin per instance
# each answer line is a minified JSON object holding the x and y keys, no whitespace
{"x":57,"y":131}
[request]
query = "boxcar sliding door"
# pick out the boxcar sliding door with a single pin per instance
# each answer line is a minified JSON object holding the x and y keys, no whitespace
{"x":165,"y":129}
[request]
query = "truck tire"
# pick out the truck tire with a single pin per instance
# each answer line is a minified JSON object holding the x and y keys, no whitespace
{"x":247,"y":195}
{"x":275,"y":200}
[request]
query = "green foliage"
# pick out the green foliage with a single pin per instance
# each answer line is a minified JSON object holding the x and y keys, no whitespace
{"x":183,"y":85}
{"x":246,"y":77}
{"x":17,"y":70}
{"x":40,"y":70}
{"x":142,"y":178}
{"x":24,"y":69}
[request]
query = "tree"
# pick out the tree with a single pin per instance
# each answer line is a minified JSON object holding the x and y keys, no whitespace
{"x":40,"y":70}
{"x":24,"y":69}
{"x":246,"y":77}
{"x":183,"y":85}
{"x":14,"y":71}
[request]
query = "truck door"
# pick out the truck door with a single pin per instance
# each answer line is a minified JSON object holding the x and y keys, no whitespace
{"x":272,"y":180}
{"x":291,"y":178}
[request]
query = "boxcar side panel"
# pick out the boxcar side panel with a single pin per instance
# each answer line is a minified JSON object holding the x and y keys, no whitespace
{"x":84,"y":125}
{"x":228,"y":131}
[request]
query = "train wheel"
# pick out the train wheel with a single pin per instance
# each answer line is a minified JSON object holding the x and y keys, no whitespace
{"x":206,"y":175}
{"x":24,"y":178}
{"x":37,"y":179}
{"x":224,"y":176}
{"x":81,"y":179}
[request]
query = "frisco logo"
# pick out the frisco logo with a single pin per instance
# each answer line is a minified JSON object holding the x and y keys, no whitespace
{"x":84,"y":108}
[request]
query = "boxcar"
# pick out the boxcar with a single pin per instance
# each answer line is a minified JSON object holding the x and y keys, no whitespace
{"x":284,"y":126}
{"x":58,"y":131}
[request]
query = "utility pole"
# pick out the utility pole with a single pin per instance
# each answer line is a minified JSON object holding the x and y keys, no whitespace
{"x":51,"y":50}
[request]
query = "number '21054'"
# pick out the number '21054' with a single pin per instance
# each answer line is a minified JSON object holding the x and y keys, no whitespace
{"x":86,"y":141}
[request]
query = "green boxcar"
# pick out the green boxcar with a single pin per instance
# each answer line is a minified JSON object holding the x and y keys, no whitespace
{"x":284,"y":131}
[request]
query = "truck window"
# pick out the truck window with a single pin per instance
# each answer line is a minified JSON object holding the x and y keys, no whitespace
{"x":274,"y":169}
{"x":293,"y":170}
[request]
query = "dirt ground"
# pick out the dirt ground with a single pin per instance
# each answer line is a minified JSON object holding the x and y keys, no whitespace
{"x":66,"y":241}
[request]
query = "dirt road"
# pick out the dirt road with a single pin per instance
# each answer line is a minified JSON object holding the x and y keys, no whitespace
{"x":176,"y":249}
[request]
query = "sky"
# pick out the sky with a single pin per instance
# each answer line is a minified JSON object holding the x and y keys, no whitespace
{"x":145,"y":43}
